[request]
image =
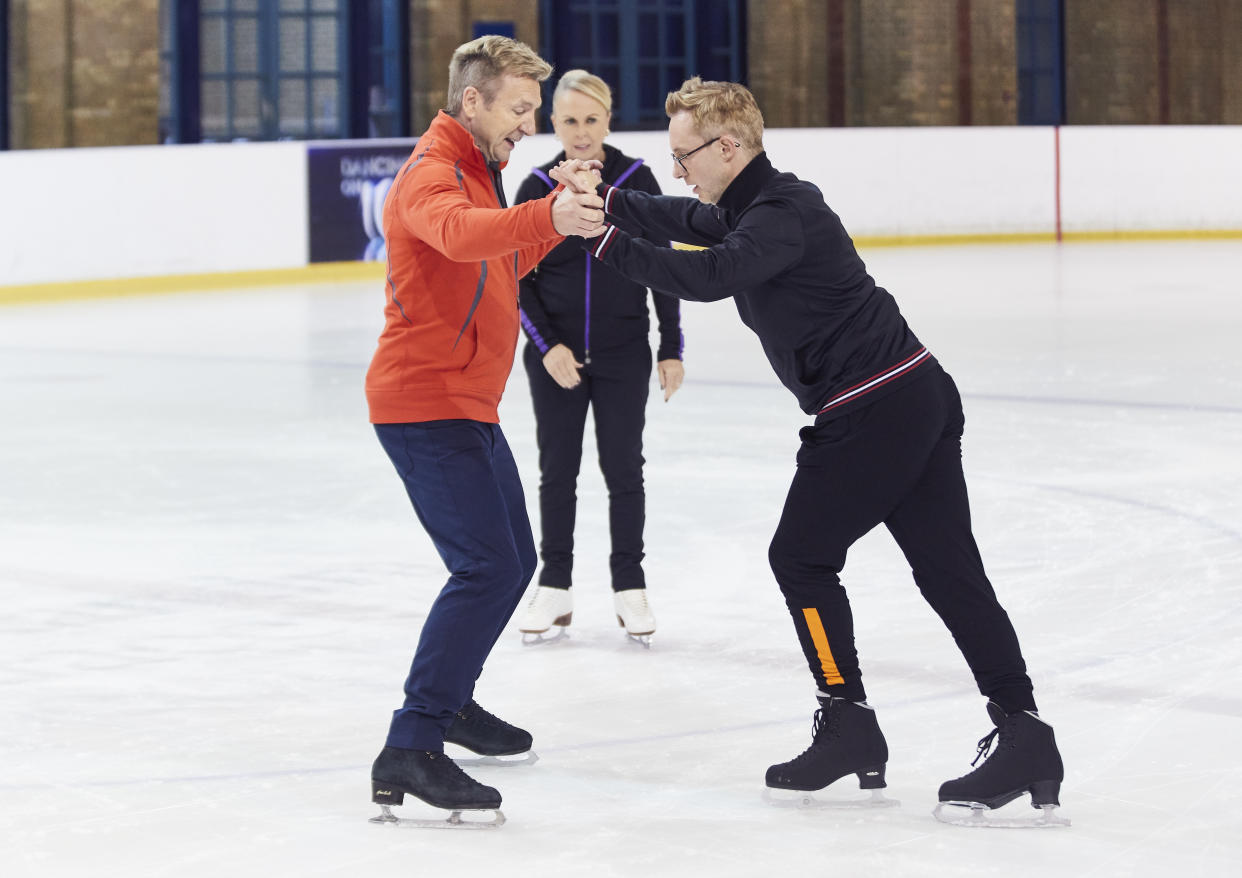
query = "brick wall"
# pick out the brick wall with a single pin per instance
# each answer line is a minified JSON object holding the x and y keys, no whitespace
{"x":1154,"y":61}
{"x":438,"y":27}
{"x":994,"y":66}
{"x":884,"y":62}
{"x":787,"y":50}
{"x":1111,"y":51}
{"x":88,"y":72}
{"x":1231,"y":65}
{"x":1204,"y":45}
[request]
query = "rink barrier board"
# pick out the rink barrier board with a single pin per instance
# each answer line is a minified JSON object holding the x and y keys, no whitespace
{"x":349,"y":272}
{"x":206,"y":211}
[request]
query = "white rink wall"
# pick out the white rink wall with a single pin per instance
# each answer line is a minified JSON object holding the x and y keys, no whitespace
{"x":89,"y":214}
{"x":902,"y":182}
{"x":93,"y":214}
{"x":1151,"y":178}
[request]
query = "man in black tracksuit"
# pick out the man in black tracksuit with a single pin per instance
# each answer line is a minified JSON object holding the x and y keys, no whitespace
{"x":602,"y":317}
{"x":885,"y":446}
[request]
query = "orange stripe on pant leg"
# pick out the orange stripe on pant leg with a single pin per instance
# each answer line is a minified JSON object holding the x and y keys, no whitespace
{"x":820,"y":638}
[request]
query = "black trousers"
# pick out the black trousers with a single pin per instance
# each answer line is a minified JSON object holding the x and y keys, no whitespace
{"x":614,"y":386}
{"x":898,"y":462}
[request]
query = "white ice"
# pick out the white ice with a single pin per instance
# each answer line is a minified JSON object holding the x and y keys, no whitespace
{"x":212,"y":584}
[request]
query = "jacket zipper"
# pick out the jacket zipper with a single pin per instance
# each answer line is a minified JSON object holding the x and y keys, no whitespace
{"x":586,"y":331}
{"x":586,"y":326}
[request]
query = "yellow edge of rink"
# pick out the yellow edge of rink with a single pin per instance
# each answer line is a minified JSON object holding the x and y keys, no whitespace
{"x":1047,"y":237}
{"x":322,"y":272}
{"x":344,"y":272}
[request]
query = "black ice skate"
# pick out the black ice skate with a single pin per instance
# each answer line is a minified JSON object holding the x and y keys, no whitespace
{"x":847,"y":740}
{"x":435,"y":779}
{"x":488,"y":736}
{"x":1026,"y":760}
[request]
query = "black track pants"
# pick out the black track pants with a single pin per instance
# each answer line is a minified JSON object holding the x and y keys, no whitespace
{"x":897,"y":461}
{"x":614,"y":386}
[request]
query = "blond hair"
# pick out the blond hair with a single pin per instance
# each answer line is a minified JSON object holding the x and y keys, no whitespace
{"x":483,"y":62}
{"x":588,"y":84}
{"x":718,"y":108}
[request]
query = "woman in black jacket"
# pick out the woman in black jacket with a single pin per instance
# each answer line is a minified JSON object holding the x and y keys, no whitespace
{"x":587,"y":329}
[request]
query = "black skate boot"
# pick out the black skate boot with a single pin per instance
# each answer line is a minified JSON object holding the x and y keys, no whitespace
{"x":1026,"y":759}
{"x":435,"y":779}
{"x":847,"y":740}
{"x":486,"y":734}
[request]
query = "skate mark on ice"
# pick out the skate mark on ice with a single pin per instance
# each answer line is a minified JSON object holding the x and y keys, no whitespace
{"x":1133,"y":502}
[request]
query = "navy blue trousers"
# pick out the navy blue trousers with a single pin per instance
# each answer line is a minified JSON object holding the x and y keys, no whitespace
{"x":896,"y":462}
{"x":463,"y":482}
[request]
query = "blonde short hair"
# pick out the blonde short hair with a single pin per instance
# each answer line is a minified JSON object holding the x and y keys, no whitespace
{"x":483,"y":62}
{"x":588,"y":84}
{"x":717,"y":108}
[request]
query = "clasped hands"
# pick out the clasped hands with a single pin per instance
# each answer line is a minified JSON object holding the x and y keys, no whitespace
{"x":578,"y":210}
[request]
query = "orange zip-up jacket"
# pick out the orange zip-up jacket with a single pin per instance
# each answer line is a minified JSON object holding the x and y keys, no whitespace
{"x":454,"y":258}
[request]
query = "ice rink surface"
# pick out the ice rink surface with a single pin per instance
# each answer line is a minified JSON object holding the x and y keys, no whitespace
{"x":212,"y":585}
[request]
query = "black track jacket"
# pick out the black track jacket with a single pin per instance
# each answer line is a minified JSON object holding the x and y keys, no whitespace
{"x":568,"y":286}
{"x":835,"y":339}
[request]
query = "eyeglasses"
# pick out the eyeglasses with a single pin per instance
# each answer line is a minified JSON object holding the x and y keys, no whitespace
{"x":681,"y":159}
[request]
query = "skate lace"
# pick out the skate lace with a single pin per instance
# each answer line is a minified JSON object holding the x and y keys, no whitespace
{"x":637,"y":602}
{"x":823,"y":721}
{"x":453,"y":768}
{"x":542,"y":598}
{"x":472,"y":712}
{"x":984,"y":745}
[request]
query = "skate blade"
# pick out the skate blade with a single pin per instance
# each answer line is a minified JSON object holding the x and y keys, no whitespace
{"x":540,"y":638}
{"x":975,"y":814}
{"x":455,"y":820}
{"x":530,"y":757}
{"x":643,"y":640}
{"x":806,"y":800}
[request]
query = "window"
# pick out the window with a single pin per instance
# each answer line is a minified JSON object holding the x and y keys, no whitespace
{"x":645,"y":49}
{"x":271,"y":70}
{"x":387,"y":69}
{"x":1041,"y":62}
{"x":282,"y":69}
{"x":170,"y":124}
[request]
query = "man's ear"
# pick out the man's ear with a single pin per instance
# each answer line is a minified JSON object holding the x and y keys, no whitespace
{"x":470,"y":101}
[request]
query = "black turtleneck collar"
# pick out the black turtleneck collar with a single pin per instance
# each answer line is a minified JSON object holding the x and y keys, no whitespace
{"x":746,"y":185}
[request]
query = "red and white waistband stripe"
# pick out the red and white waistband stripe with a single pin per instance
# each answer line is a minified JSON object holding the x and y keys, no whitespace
{"x":875,"y":381}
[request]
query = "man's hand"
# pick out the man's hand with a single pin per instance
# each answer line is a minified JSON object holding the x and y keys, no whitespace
{"x":671,"y":373}
{"x":578,"y":175}
{"x":561,"y":365}
{"x":578,"y":213}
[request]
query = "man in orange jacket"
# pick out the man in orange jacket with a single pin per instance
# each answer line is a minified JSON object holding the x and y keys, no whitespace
{"x":455,"y":253}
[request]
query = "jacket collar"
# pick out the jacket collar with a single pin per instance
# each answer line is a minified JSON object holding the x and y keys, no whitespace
{"x":615,"y":163}
{"x":460,"y":143}
{"x":746,"y":185}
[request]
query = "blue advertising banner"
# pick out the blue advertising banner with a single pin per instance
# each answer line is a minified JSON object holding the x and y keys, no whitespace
{"x":348,"y":181}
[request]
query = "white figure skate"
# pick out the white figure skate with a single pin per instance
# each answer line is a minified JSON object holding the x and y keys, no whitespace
{"x":547,"y":608}
{"x":634,"y":615}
